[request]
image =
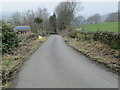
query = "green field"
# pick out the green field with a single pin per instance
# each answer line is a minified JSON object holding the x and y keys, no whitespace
{"x":108,"y":26}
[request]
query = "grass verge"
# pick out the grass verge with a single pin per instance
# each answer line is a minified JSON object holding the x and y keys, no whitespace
{"x":97,"y":52}
{"x":12,"y":62}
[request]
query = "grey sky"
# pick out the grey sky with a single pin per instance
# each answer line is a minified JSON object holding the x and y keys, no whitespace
{"x":90,"y":8}
{"x":102,"y":8}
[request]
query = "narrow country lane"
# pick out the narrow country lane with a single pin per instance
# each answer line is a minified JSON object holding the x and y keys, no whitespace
{"x":56,"y":65}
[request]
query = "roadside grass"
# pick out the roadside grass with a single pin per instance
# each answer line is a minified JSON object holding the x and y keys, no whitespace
{"x":108,"y":26}
{"x":97,"y":52}
{"x":11,"y":61}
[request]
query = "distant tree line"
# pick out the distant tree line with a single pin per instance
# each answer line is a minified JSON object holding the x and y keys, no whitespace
{"x":30,"y":18}
{"x":112,"y":17}
{"x":96,"y":18}
{"x":65,"y":15}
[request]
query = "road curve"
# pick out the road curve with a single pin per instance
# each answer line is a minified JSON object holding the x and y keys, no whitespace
{"x":56,"y":65}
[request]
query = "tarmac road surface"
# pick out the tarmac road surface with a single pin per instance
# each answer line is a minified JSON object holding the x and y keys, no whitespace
{"x":56,"y":65}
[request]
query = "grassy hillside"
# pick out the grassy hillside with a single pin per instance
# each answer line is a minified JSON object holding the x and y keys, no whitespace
{"x":108,"y":26}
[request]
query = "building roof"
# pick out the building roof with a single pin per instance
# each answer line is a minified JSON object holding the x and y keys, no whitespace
{"x":22,"y":27}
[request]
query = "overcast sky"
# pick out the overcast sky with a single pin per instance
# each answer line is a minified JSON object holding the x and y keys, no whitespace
{"x":90,"y":8}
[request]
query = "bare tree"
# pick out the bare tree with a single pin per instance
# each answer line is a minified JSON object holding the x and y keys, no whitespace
{"x":16,"y":18}
{"x":65,"y":13}
{"x":112,"y":17}
{"x":30,"y":15}
{"x":79,"y":20}
{"x":94,"y":19}
{"x":97,"y":18}
{"x":44,"y":15}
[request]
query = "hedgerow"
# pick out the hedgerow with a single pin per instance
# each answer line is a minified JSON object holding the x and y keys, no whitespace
{"x":110,"y":38}
{"x":10,"y":39}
